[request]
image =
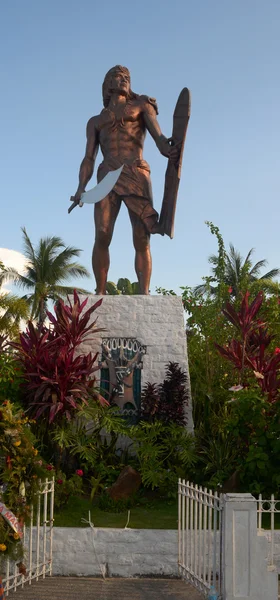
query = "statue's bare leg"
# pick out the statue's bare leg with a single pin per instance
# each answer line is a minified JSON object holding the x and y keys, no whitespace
{"x":105,"y":214}
{"x":143,"y":259}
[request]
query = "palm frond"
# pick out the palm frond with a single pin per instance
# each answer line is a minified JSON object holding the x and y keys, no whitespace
{"x":24,"y":281}
{"x":7,"y":274}
{"x":74,"y":270}
{"x":254,"y":272}
{"x":27,"y":246}
{"x":204,"y":288}
{"x":213,"y":259}
{"x":62,"y":291}
{"x":271,"y":274}
{"x":249,"y":255}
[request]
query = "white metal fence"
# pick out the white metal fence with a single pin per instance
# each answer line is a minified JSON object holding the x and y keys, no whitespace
{"x":200,"y":536}
{"x":37,"y":540}
{"x":267,"y":509}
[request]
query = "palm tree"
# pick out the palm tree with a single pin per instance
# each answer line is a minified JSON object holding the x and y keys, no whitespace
{"x":5,"y":274}
{"x":124,"y":286}
{"x":12,"y":308}
{"x":240,"y":273}
{"x":48,"y":267}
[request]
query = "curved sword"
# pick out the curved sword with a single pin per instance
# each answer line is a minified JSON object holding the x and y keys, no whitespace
{"x":100,"y":191}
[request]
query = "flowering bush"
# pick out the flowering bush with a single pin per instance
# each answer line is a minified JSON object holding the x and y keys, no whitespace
{"x":20,"y":470}
{"x":66,"y":487}
{"x":233,"y":333}
{"x":254,"y":403}
{"x":252,"y":354}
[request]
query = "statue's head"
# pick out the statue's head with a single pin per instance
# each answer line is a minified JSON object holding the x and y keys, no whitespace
{"x":116,"y":80}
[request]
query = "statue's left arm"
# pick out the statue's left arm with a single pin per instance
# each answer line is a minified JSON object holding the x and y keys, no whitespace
{"x":150,"y":112}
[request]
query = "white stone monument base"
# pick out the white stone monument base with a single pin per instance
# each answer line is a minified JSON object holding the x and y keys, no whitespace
{"x":157,"y":322}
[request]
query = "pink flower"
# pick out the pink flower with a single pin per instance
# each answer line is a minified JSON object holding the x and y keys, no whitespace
{"x":49,"y":467}
{"x":230,"y":289}
{"x":236,"y":388}
{"x":79,"y":472}
{"x":60,"y":481}
{"x":277,"y":351}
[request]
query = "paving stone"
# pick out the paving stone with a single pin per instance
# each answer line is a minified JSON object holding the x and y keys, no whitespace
{"x":85,"y":588}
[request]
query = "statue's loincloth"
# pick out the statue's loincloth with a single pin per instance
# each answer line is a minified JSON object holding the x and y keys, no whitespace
{"x":133,"y":186}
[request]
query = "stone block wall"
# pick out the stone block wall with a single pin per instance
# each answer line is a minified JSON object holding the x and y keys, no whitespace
{"x":82,"y":551}
{"x":114,"y":552}
{"x":155,"y":321}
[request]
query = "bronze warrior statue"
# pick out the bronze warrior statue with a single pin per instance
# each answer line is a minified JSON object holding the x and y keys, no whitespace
{"x":120,"y":131}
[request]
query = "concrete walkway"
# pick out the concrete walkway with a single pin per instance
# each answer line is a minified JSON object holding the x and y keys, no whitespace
{"x":85,"y":588}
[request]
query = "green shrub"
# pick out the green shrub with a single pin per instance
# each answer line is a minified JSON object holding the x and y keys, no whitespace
{"x":107,"y":504}
{"x":164,"y":452}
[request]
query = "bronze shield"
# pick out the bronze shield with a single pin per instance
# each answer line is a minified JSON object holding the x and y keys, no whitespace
{"x":173,"y":172}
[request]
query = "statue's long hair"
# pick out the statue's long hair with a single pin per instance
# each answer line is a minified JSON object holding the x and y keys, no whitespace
{"x":106,"y":87}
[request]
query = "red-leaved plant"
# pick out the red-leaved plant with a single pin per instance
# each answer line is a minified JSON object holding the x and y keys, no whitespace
{"x":252,"y":350}
{"x":58,"y":380}
{"x":167,"y":401}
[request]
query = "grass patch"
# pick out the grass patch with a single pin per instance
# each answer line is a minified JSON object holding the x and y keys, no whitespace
{"x":156,"y":514}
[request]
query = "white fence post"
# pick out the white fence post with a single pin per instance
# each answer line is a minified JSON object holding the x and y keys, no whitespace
{"x":246,"y":575}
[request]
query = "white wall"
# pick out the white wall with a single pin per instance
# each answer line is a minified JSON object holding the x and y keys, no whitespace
{"x":155,"y":321}
{"x":122,"y":552}
{"x":119,"y":552}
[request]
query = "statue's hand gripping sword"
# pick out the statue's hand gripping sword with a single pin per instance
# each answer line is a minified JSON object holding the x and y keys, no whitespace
{"x":99,"y":192}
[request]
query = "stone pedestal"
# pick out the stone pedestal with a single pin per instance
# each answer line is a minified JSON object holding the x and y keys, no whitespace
{"x":155,"y":322}
{"x":245,"y":571}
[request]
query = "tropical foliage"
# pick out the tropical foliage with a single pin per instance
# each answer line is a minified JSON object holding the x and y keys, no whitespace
{"x":167,"y":401}
{"x":58,"y":380}
{"x":238,"y":274}
{"x":10,"y":373}
{"x":233,"y":341}
{"x":49,"y":266}
{"x":123,"y":286}
{"x":233,"y":334}
{"x":89,"y":444}
{"x":253,"y":418}
{"x":165,"y":451}
{"x":12,"y":309}
{"x":20,"y":470}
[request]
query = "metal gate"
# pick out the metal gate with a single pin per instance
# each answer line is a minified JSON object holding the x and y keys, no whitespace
{"x":200,"y":537}
{"x":37,"y":540}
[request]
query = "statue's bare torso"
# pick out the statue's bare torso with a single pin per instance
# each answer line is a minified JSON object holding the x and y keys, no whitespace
{"x":122,"y":131}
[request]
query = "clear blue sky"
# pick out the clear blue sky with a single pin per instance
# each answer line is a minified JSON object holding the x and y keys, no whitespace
{"x":54,"y":56}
